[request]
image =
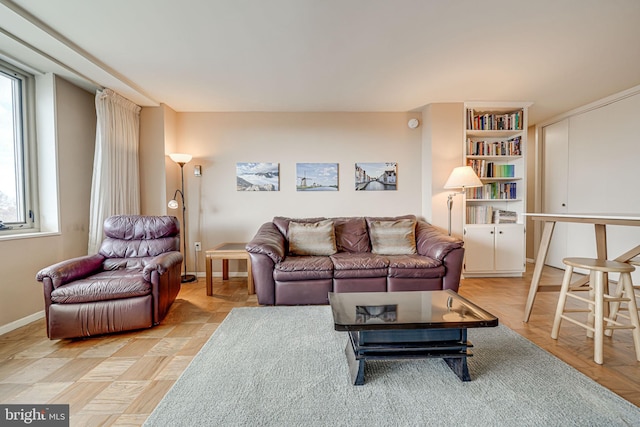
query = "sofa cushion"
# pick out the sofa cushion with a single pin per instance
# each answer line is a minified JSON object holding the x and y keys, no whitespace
{"x":133,"y":263}
{"x":415,"y":266}
{"x":282,"y":223}
{"x":389,"y":218}
{"x":108,"y":285}
{"x":303,"y":268}
{"x":353,"y":265}
{"x":314,"y":238}
{"x":352,"y":235}
{"x":394,"y":237}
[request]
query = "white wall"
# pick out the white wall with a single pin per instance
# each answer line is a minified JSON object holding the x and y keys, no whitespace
{"x":217,"y":212}
{"x":159,"y":175}
{"x":443,"y":136}
{"x":153,"y":199}
{"x":531,"y":190}
{"x":74,"y":132}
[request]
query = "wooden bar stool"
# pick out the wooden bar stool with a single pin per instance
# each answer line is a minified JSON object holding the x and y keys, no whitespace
{"x":596,"y":322}
{"x":616,"y":306}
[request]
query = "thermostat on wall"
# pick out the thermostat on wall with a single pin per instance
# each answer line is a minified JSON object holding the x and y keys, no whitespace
{"x":413,"y":123}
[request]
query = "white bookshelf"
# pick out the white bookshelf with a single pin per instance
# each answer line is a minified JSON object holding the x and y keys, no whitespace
{"x":495,"y":145}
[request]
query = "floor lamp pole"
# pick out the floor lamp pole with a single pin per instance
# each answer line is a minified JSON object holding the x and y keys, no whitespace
{"x":449,"y":206}
{"x":186,"y":278}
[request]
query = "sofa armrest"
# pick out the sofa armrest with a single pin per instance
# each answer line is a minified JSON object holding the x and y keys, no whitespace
{"x":453,"y":269}
{"x":268,"y":241}
{"x":262,"y":271}
{"x":161,"y":264}
{"x":432,"y":242}
{"x":72,"y":269}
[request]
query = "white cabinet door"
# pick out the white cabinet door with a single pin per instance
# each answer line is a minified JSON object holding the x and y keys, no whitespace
{"x":555,"y":146}
{"x":509,"y":254}
{"x":494,"y":248}
{"x":479,"y":244}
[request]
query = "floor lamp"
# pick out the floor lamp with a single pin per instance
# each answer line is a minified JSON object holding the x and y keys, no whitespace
{"x":181,"y":160}
{"x":462,"y":177}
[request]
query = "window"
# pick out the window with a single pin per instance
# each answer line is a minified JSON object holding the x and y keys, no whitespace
{"x":16,"y":198}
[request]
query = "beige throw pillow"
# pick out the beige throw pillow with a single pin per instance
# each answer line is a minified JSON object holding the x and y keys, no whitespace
{"x":396,"y":237}
{"x":315,"y":238}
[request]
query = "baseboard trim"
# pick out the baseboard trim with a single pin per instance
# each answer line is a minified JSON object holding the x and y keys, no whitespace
{"x":21,"y":322}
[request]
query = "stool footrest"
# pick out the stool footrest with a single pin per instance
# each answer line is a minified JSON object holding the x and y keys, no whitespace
{"x":579,"y":298}
{"x":608,"y":298}
{"x":626,"y":316}
{"x":620,"y":327}
{"x":580,"y":288}
{"x":579,"y":323}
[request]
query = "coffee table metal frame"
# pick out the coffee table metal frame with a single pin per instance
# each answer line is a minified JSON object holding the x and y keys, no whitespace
{"x":415,"y":340}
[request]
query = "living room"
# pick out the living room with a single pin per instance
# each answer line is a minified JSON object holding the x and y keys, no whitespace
{"x":219,"y":138}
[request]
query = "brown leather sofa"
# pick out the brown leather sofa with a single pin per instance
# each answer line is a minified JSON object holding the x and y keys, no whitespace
{"x":284,"y":278}
{"x":129,"y":284}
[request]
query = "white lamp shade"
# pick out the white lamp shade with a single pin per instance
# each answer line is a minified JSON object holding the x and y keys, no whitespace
{"x":181,"y":158}
{"x":463,"y":177}
{"x":173,"y":204}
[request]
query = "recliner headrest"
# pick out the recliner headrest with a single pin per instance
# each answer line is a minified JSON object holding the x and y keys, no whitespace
{"x":138,"y":227}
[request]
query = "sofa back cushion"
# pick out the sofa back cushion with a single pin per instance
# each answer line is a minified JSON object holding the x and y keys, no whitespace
{"x":312,"y":238}
{"x":393,"y":237}
{"x":352,"y":235}
{"x":282,"y":223}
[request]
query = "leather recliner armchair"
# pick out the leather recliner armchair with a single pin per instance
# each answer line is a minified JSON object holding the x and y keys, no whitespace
{"x":129,"y":284}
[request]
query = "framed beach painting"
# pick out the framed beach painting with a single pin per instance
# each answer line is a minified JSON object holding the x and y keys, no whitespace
{"x":317,"y":176}
{"x":258,"y":176}
{"x":376,"y":176}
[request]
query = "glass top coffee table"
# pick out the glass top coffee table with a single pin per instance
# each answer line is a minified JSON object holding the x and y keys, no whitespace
{"x":407,"y":325}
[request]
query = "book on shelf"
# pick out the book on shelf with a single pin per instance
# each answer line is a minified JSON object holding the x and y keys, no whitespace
{"x":504,"y":217}
{"x":509,"y":147}
{"x":487,"y":169}
{"x":493,"y":191}
{"x":488,"y":215}
{"x":479,"y":214}
{"x":494,"y":120}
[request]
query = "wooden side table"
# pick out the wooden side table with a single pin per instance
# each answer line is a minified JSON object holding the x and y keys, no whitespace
{"x":225,"y":252}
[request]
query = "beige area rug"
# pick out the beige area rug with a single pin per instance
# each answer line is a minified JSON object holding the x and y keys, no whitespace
{"x":285,"y":366}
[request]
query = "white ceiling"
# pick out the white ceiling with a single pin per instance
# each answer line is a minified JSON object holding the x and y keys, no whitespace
{"x":333,"y":55}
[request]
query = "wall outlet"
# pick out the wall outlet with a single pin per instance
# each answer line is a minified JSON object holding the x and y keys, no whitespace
{"x":198,"y":246}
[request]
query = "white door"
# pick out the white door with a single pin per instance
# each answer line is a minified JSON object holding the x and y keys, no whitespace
{"x":509,"y":253}
{"x":555,"y":148}
{"x":479,"y":248}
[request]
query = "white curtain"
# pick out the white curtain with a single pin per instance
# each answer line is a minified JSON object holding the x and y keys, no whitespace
{"x":115,"y":188}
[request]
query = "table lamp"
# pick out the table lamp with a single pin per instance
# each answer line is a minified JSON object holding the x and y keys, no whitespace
{"x":462,"y":177}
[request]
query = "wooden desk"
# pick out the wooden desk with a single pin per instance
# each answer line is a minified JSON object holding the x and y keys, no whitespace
{"x":600,"y":222}
{"x":225,"y":252}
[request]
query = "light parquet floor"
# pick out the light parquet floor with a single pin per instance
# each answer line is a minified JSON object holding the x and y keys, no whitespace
{"x":119,"y":379}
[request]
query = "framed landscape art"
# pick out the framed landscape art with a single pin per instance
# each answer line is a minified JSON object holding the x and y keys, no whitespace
{"x":317,"y":176}
{"x":376,"y":176}
{"x":258,"y":176}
